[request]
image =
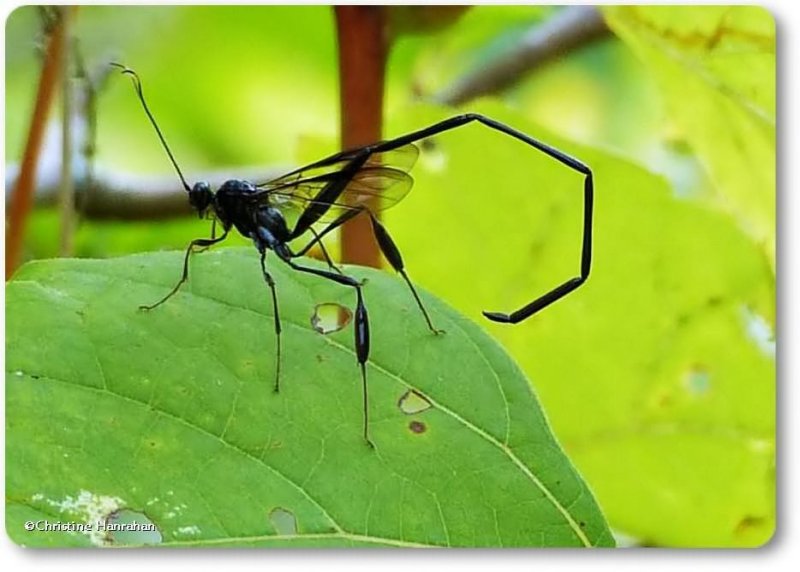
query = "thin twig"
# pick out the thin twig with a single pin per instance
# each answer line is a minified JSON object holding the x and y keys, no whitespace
{"x":569,"y":29}
{"x":22,"y":196}
{"x":67,"y":191}
{"x":89,"y":85}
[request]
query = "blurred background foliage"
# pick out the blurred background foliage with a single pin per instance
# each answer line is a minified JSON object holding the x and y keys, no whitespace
{"x":658,"y":376}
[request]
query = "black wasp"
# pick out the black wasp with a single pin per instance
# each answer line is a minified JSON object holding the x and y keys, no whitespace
{"x":332,"y":191}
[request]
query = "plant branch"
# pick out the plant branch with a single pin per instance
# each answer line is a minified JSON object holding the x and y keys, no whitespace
{"x":110,"y":194}
{"x":569,"y":29}
{"x":22,"y":195}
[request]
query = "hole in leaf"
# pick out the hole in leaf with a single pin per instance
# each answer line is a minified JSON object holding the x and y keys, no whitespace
{"x":283,"y":520}
{"x":759,"y":331}
{"x":127,"y":527}
{"x":330,"y":317}
{"x":698,"y":381}
{"x":412,"y":402}
{"x":417,"y":427}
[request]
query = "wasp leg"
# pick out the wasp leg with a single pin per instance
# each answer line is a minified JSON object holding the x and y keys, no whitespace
{"x":387,"y":246}
{"x":271,"y":284}
{"x":392,"y":254}
{"x":361,"y":329}
{"x":588,"y":200}
{"x":196,"y":243}
{"x":336,"y":223}
{"x":318,"y":240}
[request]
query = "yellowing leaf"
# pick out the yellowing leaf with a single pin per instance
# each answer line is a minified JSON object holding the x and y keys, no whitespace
{"x":716,"y":67}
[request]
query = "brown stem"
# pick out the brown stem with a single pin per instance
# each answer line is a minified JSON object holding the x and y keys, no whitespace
{"x":22,"y":197}
{"x":363,"y":47}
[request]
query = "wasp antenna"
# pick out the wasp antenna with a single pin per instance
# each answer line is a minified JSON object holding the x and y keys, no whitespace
{"x":137,"y":85}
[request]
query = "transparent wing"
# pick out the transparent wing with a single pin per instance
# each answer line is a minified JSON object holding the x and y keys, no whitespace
{"x":379,"y":184}
{"x":402,"y":158}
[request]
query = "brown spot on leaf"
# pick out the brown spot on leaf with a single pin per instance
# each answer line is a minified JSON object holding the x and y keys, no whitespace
{"x":417,"y":427}
{"x":748,"y":523}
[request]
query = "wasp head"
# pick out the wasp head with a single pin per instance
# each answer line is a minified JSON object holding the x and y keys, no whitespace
{"x":200,"y":197}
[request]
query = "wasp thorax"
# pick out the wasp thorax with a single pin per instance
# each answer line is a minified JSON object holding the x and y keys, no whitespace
{"x":200,"y":197}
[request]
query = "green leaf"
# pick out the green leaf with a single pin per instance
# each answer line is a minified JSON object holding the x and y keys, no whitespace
{"x":650,"y":372}
{"x":171,"y":414}
{"x":716,"y":68}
